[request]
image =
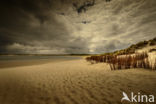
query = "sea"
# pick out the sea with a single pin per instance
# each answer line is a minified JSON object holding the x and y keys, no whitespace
{"x":36,"y":57}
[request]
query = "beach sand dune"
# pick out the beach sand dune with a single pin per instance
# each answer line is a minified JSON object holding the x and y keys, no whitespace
{"x":72,"y":82}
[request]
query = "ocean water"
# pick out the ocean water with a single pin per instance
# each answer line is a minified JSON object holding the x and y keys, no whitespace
{"x":37,"y":57}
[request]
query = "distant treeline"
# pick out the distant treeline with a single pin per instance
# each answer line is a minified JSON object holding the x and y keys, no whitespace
{"x":5,"y":54}
{"x":44,"y":54}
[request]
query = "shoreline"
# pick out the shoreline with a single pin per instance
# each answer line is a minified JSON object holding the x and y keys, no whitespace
{"x":20,"y":63}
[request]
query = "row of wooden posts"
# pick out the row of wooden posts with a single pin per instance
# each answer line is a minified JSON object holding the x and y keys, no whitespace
{"x":124,"y":62}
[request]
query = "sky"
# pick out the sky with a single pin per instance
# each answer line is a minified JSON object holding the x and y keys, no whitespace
{"x":74,"y":26}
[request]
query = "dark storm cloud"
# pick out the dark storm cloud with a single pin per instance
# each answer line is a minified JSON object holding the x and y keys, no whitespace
{"x":25,"y":21}
{"x":55,"y":26}
{"x":84,"y":6}
{"x":19,"y":9}
{"x":28,"y":26}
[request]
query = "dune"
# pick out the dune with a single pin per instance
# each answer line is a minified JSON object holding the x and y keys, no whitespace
{"x":72,"y":82}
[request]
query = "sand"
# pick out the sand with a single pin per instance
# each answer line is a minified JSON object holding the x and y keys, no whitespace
{"x":72,"y":82}
{"x":17,"y":63}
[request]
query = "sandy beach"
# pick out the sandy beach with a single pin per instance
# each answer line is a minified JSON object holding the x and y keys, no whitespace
{"x":72,"y":82}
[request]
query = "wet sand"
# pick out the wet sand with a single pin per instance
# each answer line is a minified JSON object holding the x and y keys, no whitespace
{"x":10,"y":63}
{"x":72,"y":82}
{"x":18,"y":63}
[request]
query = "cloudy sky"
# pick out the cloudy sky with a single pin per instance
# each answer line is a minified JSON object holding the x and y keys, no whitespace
{"x":74,"y":26}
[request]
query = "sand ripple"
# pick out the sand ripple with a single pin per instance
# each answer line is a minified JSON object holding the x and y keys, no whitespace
{"x":72,"y":82}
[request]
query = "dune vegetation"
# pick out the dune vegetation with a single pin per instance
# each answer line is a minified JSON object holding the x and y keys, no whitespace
{"x":134,"y":47}
{"x":129,"y":58}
